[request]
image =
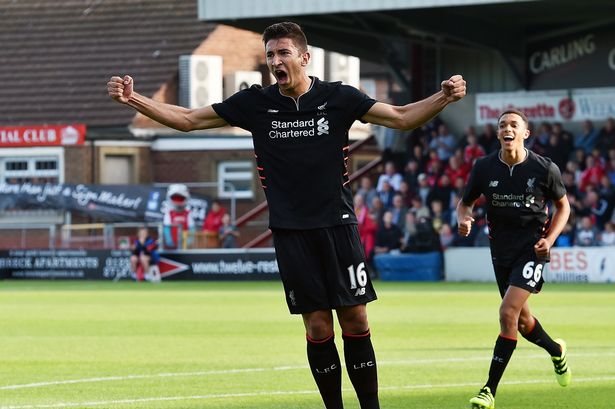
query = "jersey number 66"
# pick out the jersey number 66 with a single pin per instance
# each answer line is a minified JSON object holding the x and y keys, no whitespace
{"x":529,"y":271}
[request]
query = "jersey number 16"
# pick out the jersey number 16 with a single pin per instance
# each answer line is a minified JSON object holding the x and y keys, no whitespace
{"x":357,"y":276}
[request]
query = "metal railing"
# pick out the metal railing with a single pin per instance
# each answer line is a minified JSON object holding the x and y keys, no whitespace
{"x":197,"y":185}
{"x":21,"y":233}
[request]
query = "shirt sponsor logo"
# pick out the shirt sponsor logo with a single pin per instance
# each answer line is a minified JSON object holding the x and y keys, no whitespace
{"x":529,"y":200}
{"x":292,"y":129}
{"x":512,"y":200}
{"x":507,"y":200}
{"x":323,"y":127}
{"x":298,"y":128}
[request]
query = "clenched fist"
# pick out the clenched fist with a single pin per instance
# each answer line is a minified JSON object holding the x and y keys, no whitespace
{"x":454,"y":88}
{"x":465,"y":225}
{"x":120,"y":89}
{"x":542,"y":249}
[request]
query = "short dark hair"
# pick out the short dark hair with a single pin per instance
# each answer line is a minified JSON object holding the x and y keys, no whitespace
{"x":286,"y":29}
{"x":516,"y":112}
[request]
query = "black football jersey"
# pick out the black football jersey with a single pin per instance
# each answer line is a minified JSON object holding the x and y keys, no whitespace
{"x":516,"y":198}
{"x":301,"y":149}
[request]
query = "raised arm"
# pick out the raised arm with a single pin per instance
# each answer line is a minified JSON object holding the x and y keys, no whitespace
{"x":413,"y":115}
{"x":173,"y":116}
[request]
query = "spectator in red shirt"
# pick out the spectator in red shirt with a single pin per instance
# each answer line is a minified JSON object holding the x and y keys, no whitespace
{"x":454,"y":169}
{"x":592,"y":174}
{"x":473,"y":150}
{"x":213,"y":222}
{"x":367,"y":226}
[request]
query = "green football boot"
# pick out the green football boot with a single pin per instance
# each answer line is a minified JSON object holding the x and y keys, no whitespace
{"x":560,"y":365}
{"x":484,"y":399}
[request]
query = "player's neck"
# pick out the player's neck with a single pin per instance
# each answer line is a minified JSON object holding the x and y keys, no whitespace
{"x":301,"y":88}
{"x":513,"y":157}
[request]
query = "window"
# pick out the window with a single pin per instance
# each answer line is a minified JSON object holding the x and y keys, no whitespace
{"x":16,"y":165}
{"x":30,"y":169}
{"x":235,"y":178}
{"x":118,"y":170}
{"x":46,"y":164}
{"x":31,"y":165}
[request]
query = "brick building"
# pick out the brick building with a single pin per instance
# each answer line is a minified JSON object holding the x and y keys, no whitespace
{"x":55,"y":62}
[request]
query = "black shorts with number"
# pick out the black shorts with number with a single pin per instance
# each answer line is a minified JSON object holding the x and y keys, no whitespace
{"x":323,"y":268}
{"x":526,"y":272}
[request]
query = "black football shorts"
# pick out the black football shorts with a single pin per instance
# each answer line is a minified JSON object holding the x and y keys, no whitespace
{"x":526,"y":272}
{"x":322,"y":269}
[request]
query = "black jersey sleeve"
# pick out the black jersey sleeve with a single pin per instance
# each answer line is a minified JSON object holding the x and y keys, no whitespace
{"x":234,"y":109}
{"x":555,"y":185}
{"x":473,"y":188}
{"x":357,"y":102}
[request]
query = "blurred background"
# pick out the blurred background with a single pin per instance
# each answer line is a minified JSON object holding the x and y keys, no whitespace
{"x":80,"y":174}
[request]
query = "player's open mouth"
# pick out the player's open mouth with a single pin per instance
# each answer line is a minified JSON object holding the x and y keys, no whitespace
{"x":280,"y":75}
{"x":508,"y":138}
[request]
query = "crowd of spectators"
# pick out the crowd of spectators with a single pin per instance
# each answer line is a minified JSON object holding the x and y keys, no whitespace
{"x":411,"y":206}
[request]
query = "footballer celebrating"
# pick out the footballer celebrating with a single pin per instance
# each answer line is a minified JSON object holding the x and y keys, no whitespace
{"x":518,"y":185}
{"x":299,"y":127}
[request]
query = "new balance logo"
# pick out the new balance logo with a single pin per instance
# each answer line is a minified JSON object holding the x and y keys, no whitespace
{"x":360,"y":291}
{"x":493,"y":183}
{"x":272,"y":111}
{"x":291,"y":297}
{"x":323,"y":106}
{"x":323,"y":126}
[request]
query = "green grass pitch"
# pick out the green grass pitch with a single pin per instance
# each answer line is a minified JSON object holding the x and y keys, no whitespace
{"x":234,"y":345}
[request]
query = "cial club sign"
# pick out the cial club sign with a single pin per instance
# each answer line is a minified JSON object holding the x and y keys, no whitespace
{"x":42,"y":135}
